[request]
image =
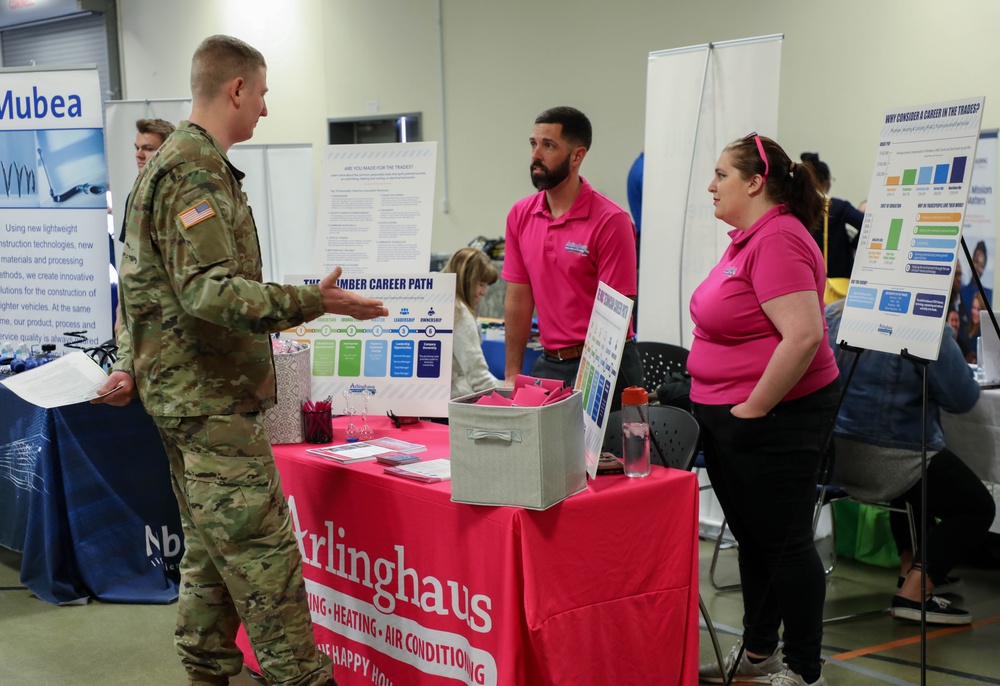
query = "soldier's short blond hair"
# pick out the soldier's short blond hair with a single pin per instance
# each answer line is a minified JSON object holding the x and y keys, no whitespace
{"x":220,"y":59}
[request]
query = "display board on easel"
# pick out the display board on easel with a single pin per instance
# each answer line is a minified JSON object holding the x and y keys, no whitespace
{"x":911,"y":236}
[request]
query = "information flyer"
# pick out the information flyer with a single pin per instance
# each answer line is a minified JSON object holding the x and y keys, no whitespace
{"x":376,"y":207}
{"x":400,"y":363}
{"x":905,"y":262}
{"x":599,"y":364}
{"x":54,"y":228}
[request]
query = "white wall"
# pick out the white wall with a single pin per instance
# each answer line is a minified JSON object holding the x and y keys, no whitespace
{"x":157,"y":43}
{"x":507,"y":61}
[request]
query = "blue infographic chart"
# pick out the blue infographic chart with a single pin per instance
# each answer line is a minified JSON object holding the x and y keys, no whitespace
{"x":403,"y":361}
{"x":905,"y":262}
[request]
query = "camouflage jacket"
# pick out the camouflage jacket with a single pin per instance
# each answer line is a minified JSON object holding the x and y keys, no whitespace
{"x":195,"y":315}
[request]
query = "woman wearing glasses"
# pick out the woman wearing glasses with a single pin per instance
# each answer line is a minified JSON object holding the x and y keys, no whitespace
{"x":764,"y":388}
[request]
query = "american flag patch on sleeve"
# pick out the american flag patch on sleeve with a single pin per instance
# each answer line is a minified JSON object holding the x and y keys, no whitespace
{"x":198,"y":213}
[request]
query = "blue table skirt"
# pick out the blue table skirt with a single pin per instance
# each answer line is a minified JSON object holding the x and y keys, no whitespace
{"x":85,"y":496}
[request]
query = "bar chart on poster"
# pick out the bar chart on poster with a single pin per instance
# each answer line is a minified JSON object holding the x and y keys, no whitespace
{"x":911,"y":236}
{"x":936,"y":174}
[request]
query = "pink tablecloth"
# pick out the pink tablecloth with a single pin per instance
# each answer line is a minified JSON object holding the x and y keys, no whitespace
{"x":409,"y":588}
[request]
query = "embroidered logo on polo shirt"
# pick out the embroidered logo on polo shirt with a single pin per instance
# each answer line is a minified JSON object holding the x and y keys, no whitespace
{"x":577,"y":248}
{"x":729,"y":271}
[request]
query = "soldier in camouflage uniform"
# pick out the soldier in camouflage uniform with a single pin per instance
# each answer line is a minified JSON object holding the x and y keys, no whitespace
{"x":194,"y":344}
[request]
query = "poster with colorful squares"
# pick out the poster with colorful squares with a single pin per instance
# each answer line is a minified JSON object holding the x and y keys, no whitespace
{"x":602,"y":356}
{"x":400,"y":363}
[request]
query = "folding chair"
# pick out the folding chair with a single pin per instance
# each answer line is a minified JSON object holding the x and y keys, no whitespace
{"x":659,"y":359}
{"x":827,"y":495}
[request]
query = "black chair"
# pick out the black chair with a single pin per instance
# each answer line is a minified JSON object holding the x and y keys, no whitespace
{"x":659,"y":359}
{"x":673,"y":430}
{"x":674,"y":435}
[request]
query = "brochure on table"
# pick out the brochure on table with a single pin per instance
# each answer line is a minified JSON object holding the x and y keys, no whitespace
{"x":376,"y":207}
{"x":599,"y":364}
{"x":403,"y":360}
{"x":904,"y":266}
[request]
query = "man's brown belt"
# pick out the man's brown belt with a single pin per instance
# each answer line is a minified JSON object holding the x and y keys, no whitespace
{"x":570,"y":353}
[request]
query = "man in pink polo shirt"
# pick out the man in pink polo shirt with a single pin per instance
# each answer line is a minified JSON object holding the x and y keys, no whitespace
{"x":560,"y":243}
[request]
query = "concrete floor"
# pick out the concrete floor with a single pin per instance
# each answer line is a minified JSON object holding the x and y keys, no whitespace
{"x":127,"y":645}
{"x":878,"y":649}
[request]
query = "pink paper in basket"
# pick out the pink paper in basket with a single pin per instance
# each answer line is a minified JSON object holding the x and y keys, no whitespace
{"x":494,"y":399}
{"x":556,"y":396}
{"x":547,"y":384}
{"x":529,"y":396}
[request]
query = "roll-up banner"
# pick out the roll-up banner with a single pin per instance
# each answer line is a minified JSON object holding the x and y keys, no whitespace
{"x":54,"y":249}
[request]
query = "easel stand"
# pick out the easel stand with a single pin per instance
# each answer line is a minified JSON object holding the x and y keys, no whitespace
{"x":828,"y":464}
{"x":923,"y":513}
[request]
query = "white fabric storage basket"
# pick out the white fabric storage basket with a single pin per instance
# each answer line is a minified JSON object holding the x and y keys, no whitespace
{"x":530,"y":457}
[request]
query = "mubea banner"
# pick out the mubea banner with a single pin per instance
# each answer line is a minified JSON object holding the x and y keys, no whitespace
{"x":53,"y":208}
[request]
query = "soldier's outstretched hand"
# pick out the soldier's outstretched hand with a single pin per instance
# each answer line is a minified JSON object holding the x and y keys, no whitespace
{"x":336,"y":300}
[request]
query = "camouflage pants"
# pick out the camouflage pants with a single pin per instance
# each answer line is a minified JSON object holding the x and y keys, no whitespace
{"x":241,"y":561}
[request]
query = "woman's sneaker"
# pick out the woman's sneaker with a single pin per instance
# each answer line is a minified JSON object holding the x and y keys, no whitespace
{"x":746,"y":671}
{"x":939,"y":611}
{"x":786,"y":677}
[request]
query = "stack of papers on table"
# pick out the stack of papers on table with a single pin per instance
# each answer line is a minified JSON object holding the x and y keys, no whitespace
{"x":360,"y":451}
{"x":431,"y":471}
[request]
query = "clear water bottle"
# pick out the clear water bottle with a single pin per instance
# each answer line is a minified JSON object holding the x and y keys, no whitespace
{"x":635,"y":431}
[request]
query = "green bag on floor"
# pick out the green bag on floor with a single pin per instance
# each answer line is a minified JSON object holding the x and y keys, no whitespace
{"x":863,"y":532}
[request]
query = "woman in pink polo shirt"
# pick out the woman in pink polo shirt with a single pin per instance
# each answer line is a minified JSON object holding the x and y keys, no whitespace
{"x":764,"y":385}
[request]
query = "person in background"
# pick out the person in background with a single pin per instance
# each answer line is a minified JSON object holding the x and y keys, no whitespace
{"x":634,"y":189}
{"x":840,"y":214}
{"x":969,"y":335}
{"x":560,"y":243}
{"x":474,"y":273}
{"x":969,"y":290}
{"x":764,"y":388}
{"x":878,"y":455}
{"x":150,"y":135}
{"x":954,"y":321}
{"x":195,"y":344}
{"x":957,"y":303}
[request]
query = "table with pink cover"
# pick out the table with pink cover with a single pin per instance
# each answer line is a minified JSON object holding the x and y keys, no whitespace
{"x":409,"y":588}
